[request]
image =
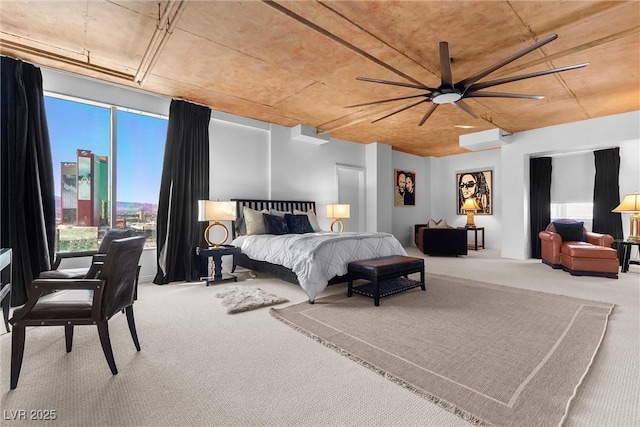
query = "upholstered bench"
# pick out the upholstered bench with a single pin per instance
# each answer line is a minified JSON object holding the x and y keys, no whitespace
{"x":387,"y":275}
{"x":582,"y":258}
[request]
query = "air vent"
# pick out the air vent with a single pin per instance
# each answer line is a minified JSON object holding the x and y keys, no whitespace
{"x":485,"y":140}
{"x":304,"y":133}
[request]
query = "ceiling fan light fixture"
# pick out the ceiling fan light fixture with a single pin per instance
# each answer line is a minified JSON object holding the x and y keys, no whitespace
{"x":446,"y":98}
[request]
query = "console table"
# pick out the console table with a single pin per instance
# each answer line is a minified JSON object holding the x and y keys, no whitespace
{"x":5,"y":284}
{"x":216,"y":252}
{"x":475,"y":230}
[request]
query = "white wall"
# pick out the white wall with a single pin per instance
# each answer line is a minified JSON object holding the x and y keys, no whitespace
{"x":445,"y":199}
{"x":406,"y":216}
{"x":306,"y":171}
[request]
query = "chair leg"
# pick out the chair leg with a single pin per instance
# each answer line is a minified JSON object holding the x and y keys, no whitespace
{"x":103,"y":331}
{"x":132,"y":326}
{"x":68,"y":336}
{"x":17,"y":351}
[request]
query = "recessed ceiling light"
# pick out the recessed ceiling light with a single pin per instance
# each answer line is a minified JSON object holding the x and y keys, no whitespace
{"x":464,"y":126}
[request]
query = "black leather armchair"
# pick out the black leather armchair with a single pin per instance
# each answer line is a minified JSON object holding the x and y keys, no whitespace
{"x":96,"y":256}
{"x":441,"y":241}
{"x":82,"y":302}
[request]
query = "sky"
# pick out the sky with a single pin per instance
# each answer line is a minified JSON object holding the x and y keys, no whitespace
{"x":141,"y":141}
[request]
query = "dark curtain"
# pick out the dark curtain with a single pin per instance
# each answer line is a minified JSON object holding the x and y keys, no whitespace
{"x":27,"y":214}
{"x":606,"y":193}
{"x":539,"y":200}
{"x":185,"y":180}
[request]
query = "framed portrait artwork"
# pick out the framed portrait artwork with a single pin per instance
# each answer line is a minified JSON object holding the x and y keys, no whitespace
{"x":404,"y":184}
{"x":477,"y":185}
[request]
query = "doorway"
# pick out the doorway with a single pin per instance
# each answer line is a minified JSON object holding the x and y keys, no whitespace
{"x":350,"y":183}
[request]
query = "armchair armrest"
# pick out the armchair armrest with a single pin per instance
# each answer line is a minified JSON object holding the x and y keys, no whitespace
{"x":551,"y":237}
{"x":599,"y":239}
{"x":66,"y":255}
{"x":40,"y":287}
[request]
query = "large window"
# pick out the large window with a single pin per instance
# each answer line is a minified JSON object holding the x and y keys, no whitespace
{"x":85,"y":151}
{"x":578,"y":211}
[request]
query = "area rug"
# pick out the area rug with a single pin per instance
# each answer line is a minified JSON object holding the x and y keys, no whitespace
{"x":240,"y":298}
{"x":494,"y":355}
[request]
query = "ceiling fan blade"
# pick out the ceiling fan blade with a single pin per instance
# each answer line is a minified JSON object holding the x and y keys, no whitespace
{"x":445,"y":65}
{"x":400,"y":110}
{"x":387,"y":100}
{"x":501,"y":95}
{"x":389,"y":82}
{"x":474,"y":78}
{"x":428,"y":113}
{"x":478,"y":86}
{"x":464,"y":107}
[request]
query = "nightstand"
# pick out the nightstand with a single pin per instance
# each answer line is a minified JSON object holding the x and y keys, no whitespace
{"x":475,"y":246}
{"x":216,"y":252}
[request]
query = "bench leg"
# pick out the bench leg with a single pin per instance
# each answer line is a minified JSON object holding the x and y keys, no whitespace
{"x":422,"y":280}
{"x":376,"y":292}
{"x":350,"y":288}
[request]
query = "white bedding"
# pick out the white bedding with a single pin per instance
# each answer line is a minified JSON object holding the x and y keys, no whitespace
{"x":317,"y":257}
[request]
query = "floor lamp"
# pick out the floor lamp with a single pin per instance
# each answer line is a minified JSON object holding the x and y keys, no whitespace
{"x":631,"y":204}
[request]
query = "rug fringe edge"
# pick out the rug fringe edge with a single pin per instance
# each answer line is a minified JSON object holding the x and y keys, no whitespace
{"x":472,"y":419}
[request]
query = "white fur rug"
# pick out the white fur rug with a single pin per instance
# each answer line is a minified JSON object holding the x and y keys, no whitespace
{"x":239,"y":298}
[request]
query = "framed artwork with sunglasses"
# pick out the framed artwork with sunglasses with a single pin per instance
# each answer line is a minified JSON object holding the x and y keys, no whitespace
{"x":477,"y":185}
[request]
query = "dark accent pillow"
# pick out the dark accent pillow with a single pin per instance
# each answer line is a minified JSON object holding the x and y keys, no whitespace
{"x":275,"y":224}
{"x":298,"y":224}
{"x":571,"y":232}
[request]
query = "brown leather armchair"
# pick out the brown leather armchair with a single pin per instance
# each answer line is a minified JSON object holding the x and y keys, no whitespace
{"x":588,"y":255}
{"x":82,"y":302}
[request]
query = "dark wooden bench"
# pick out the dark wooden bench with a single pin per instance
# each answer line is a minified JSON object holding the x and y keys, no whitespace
{"x":387,"y":275}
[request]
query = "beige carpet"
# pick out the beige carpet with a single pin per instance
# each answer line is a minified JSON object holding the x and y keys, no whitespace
{"x":200,"y":366}
{"x":490,"y":354}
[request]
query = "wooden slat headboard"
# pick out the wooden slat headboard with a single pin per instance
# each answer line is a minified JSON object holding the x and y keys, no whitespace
{"x":258,"y":204}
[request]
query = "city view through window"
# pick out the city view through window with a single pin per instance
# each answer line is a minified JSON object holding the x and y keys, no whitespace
{"x":81,"y":141}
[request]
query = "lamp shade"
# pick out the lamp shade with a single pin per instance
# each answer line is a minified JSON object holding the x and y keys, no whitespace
{"x":214,"y":210}
{"x":470,"y":204}
{"x":338,"y":211}
{"x":630,"y":203}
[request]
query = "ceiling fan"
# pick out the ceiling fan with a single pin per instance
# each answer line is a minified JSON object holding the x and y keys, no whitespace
{"x":453,"y":93}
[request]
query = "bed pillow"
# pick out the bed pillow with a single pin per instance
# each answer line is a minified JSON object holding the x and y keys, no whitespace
{"x":441,"y":223}
{"x":275,"y":224}
{"x":254,"y":221}
{"x":313,"y":219}
{"x":572,"y":232}
{"x":298,"y":224}
{"x":278,"y":213}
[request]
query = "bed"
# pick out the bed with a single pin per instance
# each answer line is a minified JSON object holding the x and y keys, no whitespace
{"x":312,"y":260}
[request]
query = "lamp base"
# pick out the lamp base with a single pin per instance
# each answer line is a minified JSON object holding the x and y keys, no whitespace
{"x":208,"y":231}
{"x":337,"y":221}
{"x":634,"y":228}
{"x":470,"y":223}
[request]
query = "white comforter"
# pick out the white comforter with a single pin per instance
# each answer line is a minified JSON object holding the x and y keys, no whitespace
{"x":317,"y":257}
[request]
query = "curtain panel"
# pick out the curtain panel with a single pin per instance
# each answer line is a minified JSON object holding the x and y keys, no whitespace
{"x":185,"y":180}
{"x":539,"y":200}
{"x":606,"y":193}
{"x":27,"y":199}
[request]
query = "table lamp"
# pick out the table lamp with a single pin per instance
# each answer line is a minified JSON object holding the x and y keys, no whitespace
{"x":337,"y":212}
{"x":631,"y":204}
{"x":470,"y":206}
{"x":216,"y":211}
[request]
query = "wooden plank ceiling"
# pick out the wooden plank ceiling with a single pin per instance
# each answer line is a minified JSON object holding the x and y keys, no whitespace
{"x":297,"y":62}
